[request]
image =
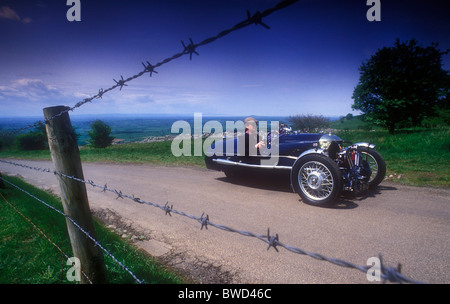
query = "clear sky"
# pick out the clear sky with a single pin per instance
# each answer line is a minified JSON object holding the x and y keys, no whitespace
{"x":307,"y":63}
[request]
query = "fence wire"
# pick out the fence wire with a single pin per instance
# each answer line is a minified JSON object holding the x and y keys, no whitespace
{"x":188,"y":49}
{"x":391,"y":274}
{"x":96,"y":243}
{"x":40,"y":231}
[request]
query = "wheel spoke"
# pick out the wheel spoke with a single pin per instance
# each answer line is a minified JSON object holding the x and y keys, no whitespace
{"x":315,"y":180}
{"x":372,"y":164}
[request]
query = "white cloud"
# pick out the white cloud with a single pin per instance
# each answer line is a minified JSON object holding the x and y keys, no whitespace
{"x":31,"y":89}
{"x":10,"y":14}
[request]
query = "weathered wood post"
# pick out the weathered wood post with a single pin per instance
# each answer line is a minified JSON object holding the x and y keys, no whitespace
{"x":2,"y":185}
{"x":65,"y":154}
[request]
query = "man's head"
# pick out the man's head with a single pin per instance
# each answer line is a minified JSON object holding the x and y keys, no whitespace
{"x":250,"y":124}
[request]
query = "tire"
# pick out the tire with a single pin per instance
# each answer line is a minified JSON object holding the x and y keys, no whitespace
{"x":230,"y":174}
{"x":376,"y":164}
{"x":317,"y":179}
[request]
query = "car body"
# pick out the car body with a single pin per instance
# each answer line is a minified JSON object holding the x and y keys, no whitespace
{"x":319,"y":165}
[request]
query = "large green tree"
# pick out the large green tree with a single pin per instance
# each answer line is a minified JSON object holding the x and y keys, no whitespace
{"x":100,"y":135}
{"x":403,"y":84}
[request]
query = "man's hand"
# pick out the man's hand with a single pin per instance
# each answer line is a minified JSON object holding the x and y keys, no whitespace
{"x":260,"y":144}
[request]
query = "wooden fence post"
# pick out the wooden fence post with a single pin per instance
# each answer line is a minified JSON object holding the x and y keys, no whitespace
{"x":65,"y":154}
{"x":2,"y":185}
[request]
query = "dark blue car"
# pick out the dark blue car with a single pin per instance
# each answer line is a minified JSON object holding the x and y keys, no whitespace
{"x":320,"y":165}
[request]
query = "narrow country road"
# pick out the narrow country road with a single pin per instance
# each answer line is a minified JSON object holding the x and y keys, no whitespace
{"x":405,"y":225}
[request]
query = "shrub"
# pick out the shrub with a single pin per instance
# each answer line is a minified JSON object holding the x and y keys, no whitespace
{"x":31,"y":141}
{"x":100,"y":136}
{"x":309,"y":123}
{"x":34,"y":140}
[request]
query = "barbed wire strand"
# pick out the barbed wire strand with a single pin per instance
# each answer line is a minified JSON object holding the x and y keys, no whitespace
{"x":390,"y":274}
{"x":43,"y":234}
{"x":96,"y":243}
{"x":188,"y":49}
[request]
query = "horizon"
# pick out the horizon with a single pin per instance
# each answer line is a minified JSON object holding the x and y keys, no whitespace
{"x":138,"y":127}
{"x":118,"y":115}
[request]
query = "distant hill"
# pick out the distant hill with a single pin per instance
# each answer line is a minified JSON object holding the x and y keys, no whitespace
{"x":355,"y":123}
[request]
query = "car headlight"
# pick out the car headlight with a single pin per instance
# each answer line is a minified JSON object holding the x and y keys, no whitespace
{"x":326,"y":140}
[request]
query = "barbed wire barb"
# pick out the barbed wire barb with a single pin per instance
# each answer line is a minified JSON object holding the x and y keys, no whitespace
{"x":120,"y":83}
{"x":190,"y":48}
{"x":390,"y":274}
{"x":149,"y":68}
{"x":204,"y":221}
{"x":168,"y":209}
{"x":272,"y":240}
{"x":257,"y":19}
{"x":100,"y":93}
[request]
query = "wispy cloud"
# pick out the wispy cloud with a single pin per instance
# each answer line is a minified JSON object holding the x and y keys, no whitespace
{"x":10,"y":14}
{"x":32,"y":89}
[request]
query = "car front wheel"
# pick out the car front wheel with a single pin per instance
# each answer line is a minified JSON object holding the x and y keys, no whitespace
{"x":317,"y":179}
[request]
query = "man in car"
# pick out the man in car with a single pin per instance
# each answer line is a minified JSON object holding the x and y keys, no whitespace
{"x":251,"y":137}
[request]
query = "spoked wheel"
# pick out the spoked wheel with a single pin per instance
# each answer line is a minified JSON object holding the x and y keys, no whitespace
{"x":377,"y":165}
{"x":317,"y":179}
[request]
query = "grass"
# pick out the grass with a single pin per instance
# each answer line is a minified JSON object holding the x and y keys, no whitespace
{"x":153,"y":153}
{"x":416,"y":156}
{"x":421,"y":157}
{"x":355,"y":123}
{"x":26,"y":257}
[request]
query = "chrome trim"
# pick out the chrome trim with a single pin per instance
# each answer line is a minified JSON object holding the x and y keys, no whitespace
{"x":364,"y":144}
{"x":326,"y":139}
{"x":311,"y":151}
{"x":233,"y":163}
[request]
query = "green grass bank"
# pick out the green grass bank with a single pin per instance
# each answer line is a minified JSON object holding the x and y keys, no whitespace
{"x":27,"y":257}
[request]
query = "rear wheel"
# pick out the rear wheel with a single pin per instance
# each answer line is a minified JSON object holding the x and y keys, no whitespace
{"x":317,"y":179}
{"x":377,"y":165}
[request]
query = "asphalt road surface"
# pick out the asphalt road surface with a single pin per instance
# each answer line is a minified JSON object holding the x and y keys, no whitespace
{"x":406,"y":225}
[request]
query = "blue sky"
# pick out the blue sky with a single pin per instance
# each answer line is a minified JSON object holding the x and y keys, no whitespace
{"x":307,"y":63}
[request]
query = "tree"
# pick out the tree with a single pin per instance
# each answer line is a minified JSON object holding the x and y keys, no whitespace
{"x":100,"y":135}
{"x":308,"y":123}
{"x":402,"y":84}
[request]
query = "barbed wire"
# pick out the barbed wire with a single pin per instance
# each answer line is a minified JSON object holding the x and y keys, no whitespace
{"x":96,"y":243}
{"x":42,"y":233}
{"x":390,"y":274}
{"x":188,"y":49}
